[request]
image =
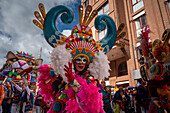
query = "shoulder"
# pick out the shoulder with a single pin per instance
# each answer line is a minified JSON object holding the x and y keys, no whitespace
{"x":117,"y":93}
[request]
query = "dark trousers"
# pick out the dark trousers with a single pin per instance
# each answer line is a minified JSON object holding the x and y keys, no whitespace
{"x":6,"y":108}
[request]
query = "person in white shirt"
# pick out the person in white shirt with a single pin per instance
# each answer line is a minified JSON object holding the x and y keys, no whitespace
{"x":24,"y":100}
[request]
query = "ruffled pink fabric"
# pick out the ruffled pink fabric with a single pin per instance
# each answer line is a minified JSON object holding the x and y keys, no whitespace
{"x":46,"y":88}
{"x":90,"y":98}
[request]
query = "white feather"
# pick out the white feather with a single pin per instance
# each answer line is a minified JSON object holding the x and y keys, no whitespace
{"x":60,"y":56}
{"x":99,"y":68}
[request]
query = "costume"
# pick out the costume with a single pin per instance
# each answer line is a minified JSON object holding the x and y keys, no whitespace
{"x":1,"y":93}
{"x":72,"y":90}
{"x":18,"y":66}
{"x":154,"y":72}
{"x":26,"y":99}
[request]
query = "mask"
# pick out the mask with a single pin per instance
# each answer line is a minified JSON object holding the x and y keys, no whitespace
{"x":81,"y":59}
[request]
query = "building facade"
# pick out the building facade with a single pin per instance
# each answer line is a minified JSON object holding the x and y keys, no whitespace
{"x":134,"y":13}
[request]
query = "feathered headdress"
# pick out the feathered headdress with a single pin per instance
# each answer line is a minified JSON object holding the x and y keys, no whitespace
{"x":81,"y":41}
{"x":153,"y":67}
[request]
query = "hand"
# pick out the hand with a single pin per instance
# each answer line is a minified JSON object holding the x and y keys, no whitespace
{"x":119,"y":101}
{"x":24,"y":81}
{"x":69,"y":73}
{"x":13,"y":82}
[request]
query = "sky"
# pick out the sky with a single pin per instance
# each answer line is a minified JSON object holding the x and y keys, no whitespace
{"x":18,"y":33}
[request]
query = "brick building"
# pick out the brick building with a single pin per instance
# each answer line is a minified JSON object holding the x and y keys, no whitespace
{"x":134,"y":13}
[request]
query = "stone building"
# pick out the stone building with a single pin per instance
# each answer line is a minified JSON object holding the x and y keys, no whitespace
{"x":134,"y":13}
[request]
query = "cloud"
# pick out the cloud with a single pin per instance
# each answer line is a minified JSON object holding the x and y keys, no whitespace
{"x":18,"y":33}
{"x":67,"y":32}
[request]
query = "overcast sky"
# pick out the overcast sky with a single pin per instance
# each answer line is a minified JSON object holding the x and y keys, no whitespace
{"x":18,"y":33}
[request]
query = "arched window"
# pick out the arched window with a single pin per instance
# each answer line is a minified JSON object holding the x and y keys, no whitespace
{"x":122,"y":69}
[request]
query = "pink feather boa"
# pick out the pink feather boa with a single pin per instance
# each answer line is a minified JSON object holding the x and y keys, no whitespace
{"x":46,"y":88}
{"x":91,"y":99}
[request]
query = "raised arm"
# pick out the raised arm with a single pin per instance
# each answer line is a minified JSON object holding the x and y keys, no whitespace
{"x":86,"y":95}
{"x":16,"y":86}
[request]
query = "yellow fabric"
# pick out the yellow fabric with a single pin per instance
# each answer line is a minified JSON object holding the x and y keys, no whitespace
{"x":116,"y":108}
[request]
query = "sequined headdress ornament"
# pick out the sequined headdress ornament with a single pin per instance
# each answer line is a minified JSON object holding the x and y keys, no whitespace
{"x":80,"y":42}
{"x":27,"y":55}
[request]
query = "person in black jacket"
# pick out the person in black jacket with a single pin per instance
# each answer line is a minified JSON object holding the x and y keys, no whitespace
{"x":141,"y":98}
{"x":122,"y":99}
{"x":38,"y":100}
{"x":26,"y":98}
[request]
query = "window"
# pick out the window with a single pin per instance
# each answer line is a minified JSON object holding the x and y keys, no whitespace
{"x":104,"y":9}
{"x":137,"y":4}
{"x":139,"y":22}
{"x":122,"y":69}
{"x":86,"y":3}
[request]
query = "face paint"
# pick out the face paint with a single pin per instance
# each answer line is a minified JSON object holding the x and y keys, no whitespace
{"x":81,"y":59}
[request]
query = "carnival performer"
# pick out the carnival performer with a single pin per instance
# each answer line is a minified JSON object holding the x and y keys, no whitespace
{"x":77,"y":60}
{"x":27,"y":97}
{"x":154,"y":72}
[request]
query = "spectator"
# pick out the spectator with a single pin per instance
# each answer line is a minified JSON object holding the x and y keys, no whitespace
{"x":15,"y":99}
{"x":122,"y":99}
{"x":6,"y":104}
{"x":141,"y":98}
{"x":27,"y":97}
{"x":38,"y":100}
{"x":131,"y":103}
{"x":106,"y":99}
{"x":45,"y":105}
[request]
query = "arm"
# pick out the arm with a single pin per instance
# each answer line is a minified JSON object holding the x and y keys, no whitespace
{"x":16,"y":86}
{"x":69,"y":74}
{"x":26,"y":88}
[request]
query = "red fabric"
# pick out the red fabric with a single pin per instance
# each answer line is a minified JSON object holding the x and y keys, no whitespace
{"x":26,"y":71}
